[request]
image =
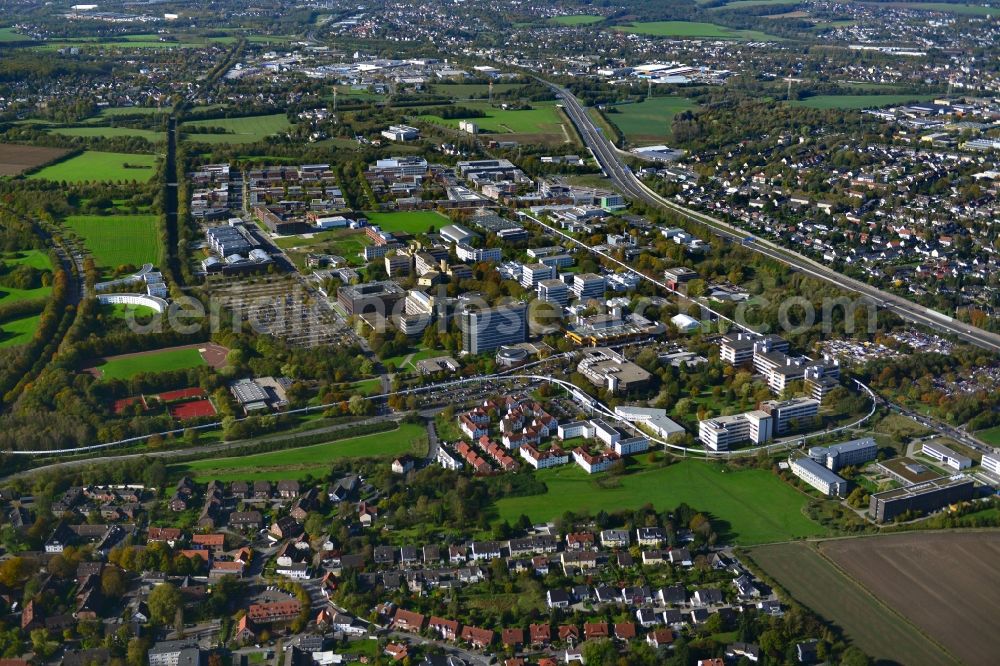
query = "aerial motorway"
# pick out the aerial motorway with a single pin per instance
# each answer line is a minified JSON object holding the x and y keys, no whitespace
{"x":610,"y":160}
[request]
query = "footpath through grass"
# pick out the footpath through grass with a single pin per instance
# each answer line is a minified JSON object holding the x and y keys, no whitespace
{"x":116,"y":240}
{"x":296,"y":463}
{"x":748,"y":507}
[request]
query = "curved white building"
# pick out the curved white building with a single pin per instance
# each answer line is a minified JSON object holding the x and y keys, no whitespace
{"x":157,"y":304}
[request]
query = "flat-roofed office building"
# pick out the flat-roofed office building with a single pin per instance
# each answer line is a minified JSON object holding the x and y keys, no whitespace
{"x":491,"y":328}
{"x":922,"y":497}
{"x":819,"y":477}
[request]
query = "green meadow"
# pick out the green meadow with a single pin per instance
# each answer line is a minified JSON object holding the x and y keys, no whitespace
{"x":116,"y":240}
{"x":35,"y":259}
{"x":748,"y":507}
{"x":97,"y":166}
{"x":650,"y":119}
{"x":410,"y":222}
{"x":693,"y":30}
{"x":239,"y":130}
{"x":858,"y":101}
{"x":542,"y":119}
{"x":18,"y":331}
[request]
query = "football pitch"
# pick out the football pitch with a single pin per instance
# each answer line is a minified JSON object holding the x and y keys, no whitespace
{"x":130,"y":365}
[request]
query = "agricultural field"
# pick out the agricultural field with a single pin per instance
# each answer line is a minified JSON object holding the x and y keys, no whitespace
{"x":18,"y":331}
{"x":649,"y":120}
{"x":410,"y":222}
{"x":748,"y":507}
{"x":16,"y":159}
{"x":944,"y":583}
{"x":240,"y":130}
{"x":693,"y":30}
{"x":118,"y":111}
{"x":296,"y":463}
{"x":857,"y":101}
{"x":737,"y":4}
{"x":118,"y":240}
{"x":991,"y":435}
{"x":164,"y":360}
{"x":539,"y":122}
{"x":577,"y":19}
{"x":34,"y":258}
{"x":97,"y":166}
{"x":109,"y":132}
{"x":814,"y":581}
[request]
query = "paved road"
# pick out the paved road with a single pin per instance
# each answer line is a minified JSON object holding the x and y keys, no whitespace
{"x":620,"y":174}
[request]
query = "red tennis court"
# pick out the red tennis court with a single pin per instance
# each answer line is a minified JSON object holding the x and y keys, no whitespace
{"x":193,"y":409}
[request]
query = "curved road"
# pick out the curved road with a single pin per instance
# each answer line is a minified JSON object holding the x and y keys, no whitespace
{"x":607,"y":156}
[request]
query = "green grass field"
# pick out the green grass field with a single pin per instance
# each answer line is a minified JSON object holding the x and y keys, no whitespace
{"x":18,"y":331}
{"x":749,"y":507}
{"x":347,"y":243}
{"x":410,"y":222}
{"x":947,"y":7}
{"x":240,"y":130}
{"x":693,"y":30}
{"x":814,"y":581}
{"x":107,"y":132}
{"x":752,"y":3}
{"x":115,"y":240}
{"x":991,"y":435}
{"x":540,"y":120}
{"x":651,"y":119}
{"x":8,"y":35}
{"x":97,"y":166}
{"x":577,"y":19}
{"x":123,"y":311}
{"x":858,"y":101}
{"x":35,"y":259}
{"x":161,"y":361}
{"x":470,"y":90}
{"x":295,"y":463}
{"x":118,"y":111}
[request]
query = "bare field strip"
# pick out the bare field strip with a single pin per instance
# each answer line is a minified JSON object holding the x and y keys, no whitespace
{"x":15,"y":158}
{"x":818,"y":584}
{"x":947,"y":584}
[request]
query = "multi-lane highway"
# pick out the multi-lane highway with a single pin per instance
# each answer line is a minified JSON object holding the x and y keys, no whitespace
{"x":619,"y":173}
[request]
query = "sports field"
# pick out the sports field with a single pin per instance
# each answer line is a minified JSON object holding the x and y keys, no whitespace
{"x":97,"y":166}
{"x":108,"y":132}
{"x":817,"y":583}
{"x":858,"y":101}
{"x":130,"y":365}
{"x":15,"y":158}
{"x":18,"y":331}
{"x":990,"y":435}
{"x":116,"y":240}
{"x":748,"y":507}
{"x":650,"y":119}
{"x":35,"y":259}
{"x":540,"y":120}
{"x":240,"y":130}
{"x":295,"y":463}
{"x":410,"y":222}
{"x":693,"y":30}
{"x":577,"y":19}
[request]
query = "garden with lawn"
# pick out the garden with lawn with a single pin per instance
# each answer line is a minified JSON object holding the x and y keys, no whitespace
{"x":97,"y":166}
{"x":747,"y":507}
{"x":118,"y":240}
